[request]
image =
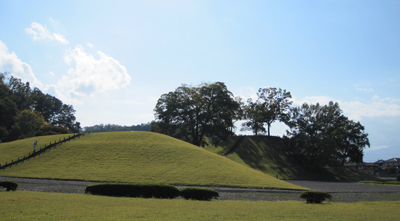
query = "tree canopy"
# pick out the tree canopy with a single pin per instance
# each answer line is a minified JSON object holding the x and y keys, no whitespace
{"x":319,"y":135}
{"x":322,"y":135}
{"x":272,"y":104}
{"x":115,"y":127}
{"x":194,"y":113}
{"x":23,"y":110}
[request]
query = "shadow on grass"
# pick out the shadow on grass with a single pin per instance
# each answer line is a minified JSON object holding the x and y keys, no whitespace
{"x":269,"y":155}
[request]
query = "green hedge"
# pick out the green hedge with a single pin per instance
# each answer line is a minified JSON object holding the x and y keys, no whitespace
{"x":9,"y":185}
{"x":146,"y":190}
{"x":198,"y":193}
{"x":315,"y":197}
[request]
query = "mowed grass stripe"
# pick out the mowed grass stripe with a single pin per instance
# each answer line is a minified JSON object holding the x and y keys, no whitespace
{"x":55,"y":206}
{"x":141,"y":157}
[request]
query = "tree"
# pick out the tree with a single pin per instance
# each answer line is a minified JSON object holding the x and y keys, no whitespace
{"x":353,"y":141}
{"x":115,"y":127}
{"x":43,"y":104}
{"x":66,"y":118}
{"x":27,"y":123}
{"x":253,"y":112}
{"x":272,"y":104}
{"x":16,"y":97}
{"x":322,"y":135}
{"x":21,"y":93}
{"x":193,"y":113}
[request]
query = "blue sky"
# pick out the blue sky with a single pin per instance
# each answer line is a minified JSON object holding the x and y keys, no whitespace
{"x":113,"y":59}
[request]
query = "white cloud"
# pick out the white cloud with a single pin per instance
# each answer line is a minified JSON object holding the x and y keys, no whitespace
{"x":246,"y":93}
{"x":375,"y":148}
{"x":9,"y":62}
{"x":40,"y":32}
{"x":375,"y":97}
{"x":377,"y":108}
{"x":90,"y":45}
{"x":365,"y":89}
{"x":322,"y":100}
{"x":89,"y":75}
{"x":356,"y":110}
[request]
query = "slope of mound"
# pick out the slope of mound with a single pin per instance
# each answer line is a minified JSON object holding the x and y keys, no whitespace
{"x":19,"y":148}
{"x":141,"y":157}
{"x":269,"y":155}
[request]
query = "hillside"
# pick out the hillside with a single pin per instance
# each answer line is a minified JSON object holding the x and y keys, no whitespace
{"x":13,"y":150}
{"x":269,"y":155}
{"x":136,"y":157}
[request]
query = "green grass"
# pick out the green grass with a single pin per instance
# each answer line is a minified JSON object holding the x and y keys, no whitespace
{"x":20,"y":148}
{"x":396,"y":183}
{"x":54,"y":206}
{"x":139,"y":157}
{"x":269,"y":155}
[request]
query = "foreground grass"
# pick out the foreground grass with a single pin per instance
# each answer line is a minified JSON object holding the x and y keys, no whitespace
{"x":54,"y":206}
{"x":269,"y":155}
{"x":141,"y":157}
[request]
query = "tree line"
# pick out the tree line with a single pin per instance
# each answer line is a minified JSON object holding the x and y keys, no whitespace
{"x":26,"y":112}
{"x":319,"y":134}
{"x":115,"y":127}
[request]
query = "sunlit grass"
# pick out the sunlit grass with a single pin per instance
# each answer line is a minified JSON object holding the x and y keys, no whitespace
{"x":54,"y":206}
{"x":141,"y":157}
{"x":20,"y":148}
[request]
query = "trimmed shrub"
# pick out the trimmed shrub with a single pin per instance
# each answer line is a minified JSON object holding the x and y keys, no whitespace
{"x":9,"y":185}
{"x":198,"y":193}
{"x":315,"y":197}
{"x":146,"y":190}
{"x":51,"y":130}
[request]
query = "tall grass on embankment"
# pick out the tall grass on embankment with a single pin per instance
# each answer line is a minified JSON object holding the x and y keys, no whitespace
{"x":21,"y":205}
{"x":141,"y":157}
{"x":271,"y":156}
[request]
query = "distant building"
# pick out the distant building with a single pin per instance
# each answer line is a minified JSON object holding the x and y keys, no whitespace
{"x":393,"y":162}
{"x":384,"y":168}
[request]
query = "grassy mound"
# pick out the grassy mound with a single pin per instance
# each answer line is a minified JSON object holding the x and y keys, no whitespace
{"x":139,"y":157}
{"x":269,"y":155}
{"x":20,"y":148}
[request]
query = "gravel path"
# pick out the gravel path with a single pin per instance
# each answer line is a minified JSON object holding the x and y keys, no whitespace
{"x":341,"y":191}
{"x":345,"y":187}
{"x":45,"y":185}
{"x":68,"y":186}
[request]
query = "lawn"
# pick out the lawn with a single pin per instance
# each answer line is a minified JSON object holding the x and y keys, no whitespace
{"x":22,"y":205}
{"x":139,"y":157}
